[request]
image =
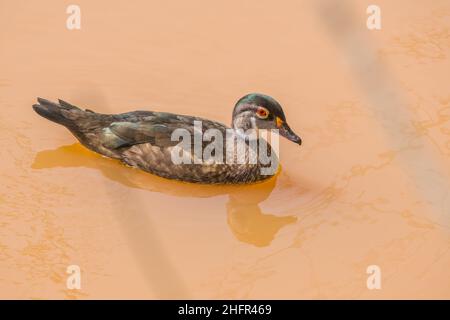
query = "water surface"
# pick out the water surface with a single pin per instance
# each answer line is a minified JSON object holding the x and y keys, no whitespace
{"x":351,"y":196}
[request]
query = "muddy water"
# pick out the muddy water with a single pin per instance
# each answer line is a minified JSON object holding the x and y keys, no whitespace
{"x":352,"y":196}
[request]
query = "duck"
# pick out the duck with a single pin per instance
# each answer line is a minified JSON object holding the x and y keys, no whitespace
{"x":145,"y":139}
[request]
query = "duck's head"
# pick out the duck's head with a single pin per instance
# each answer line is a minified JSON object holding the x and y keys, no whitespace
{"x":258,"y":111}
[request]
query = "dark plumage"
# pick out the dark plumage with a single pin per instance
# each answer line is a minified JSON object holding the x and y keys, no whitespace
{"x":142,"y":139}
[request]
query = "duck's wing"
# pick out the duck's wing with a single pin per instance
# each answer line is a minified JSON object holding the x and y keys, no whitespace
{"x":155,"y":129}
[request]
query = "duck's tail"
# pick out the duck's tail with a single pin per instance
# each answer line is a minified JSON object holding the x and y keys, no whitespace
{"x":63,"y":112}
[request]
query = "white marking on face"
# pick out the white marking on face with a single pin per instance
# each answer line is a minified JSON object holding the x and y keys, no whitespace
{"x":253,"y":121}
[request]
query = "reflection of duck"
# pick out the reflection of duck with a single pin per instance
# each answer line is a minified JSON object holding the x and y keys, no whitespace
{"x":143,"y":139}
{"x":245,"y":218}
{"x":250,"y":225}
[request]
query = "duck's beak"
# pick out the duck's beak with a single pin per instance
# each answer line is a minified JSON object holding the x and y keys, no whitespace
{"x":287,"y":132}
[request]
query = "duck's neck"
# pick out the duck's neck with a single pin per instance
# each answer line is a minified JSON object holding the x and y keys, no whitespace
{"x":263,"y":169}
{"x":244,"y":121}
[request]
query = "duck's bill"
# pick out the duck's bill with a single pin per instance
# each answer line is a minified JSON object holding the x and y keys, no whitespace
{"x":287,"y":132}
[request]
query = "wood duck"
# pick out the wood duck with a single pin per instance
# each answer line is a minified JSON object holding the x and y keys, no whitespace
{"x":143,"y":139}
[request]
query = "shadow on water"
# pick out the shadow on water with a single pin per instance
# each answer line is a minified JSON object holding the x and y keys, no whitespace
{"x":245,"y":218}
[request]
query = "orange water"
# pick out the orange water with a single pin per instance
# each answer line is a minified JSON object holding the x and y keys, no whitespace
{"x":351,"y":196}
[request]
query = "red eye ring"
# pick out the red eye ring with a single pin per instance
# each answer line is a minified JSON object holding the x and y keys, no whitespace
{"x":262,"y":112}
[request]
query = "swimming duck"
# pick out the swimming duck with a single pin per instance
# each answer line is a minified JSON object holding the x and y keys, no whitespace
{"x":143,"y":139}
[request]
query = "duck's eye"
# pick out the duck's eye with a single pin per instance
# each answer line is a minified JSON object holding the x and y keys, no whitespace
{"x":262,"y":112}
